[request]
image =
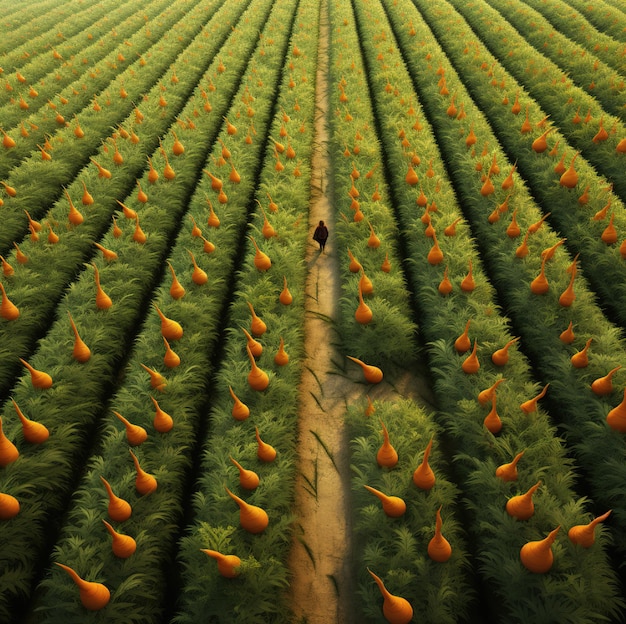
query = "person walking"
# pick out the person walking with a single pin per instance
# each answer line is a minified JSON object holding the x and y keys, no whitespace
{"x":321,"y":235}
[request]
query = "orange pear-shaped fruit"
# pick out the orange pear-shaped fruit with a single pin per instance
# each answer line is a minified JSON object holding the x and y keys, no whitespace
{"x":227,"y":565}
{"x":396,"y":610}
{"x":393,"y":506}
{"x":123,"y":546}
{"x":103,"y":301}
{"x":354,"y":266}
{"x":580,"y":359}
{"x":363,"y":314}
{"x":584,"y":534}
{"x":8,"y":450}
{"x":80,"y":352}
{"x":372,"y":374}
{"x":257,"y":379}
{"x":528,"y":407}
{"x":144,"y":483}
{"x":33,"y":432}
{"x":170,"y":329}
{"x":9,"y":506}
{"x":463,"y":343}
{"x":439,"y":548}
{"x":604,"y":385}
{"x":285,"y":297}
{"x":492,"y":421}
{"x":157,"y":381}
{"x":134,"y":433}
{"x":248,"y":479}
{"x":8,"y":310}
{"x":423,"y":476}
{"x":522,"y":506}
{"x":537,"y":556}
{"x":162,"y":421}
{"x":38,"y":378}
{"x":616,"y":418}
{"x":257,"y":326}
{"x":251,"y":518}
{"x":508,"y":471}
{"x":281,"y":358}
{"x":567,"y":336}
{"x":261,"y":260}
{"x":471,"y":363}
{"x":540,"y":285}
{"x":501,"y":356}
{"x":265,"y":452}
{"x":486,"y":395}
{"x":93,"y":596}
{"x":387,"y":455}
{"x":171,"y":359}
{"x":118,"y":509}
{"x":177,"y":290}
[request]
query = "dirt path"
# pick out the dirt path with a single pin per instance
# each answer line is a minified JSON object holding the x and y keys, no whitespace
{"x":322,"y":589}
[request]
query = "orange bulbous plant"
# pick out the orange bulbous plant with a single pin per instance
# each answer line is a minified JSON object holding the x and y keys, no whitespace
{"x":177,"y":290}
{"x":257,"y":379}
{"x":281,"y":358}
{"x":569,"y":178}
{"x":372,"y":374}
{"x":467,"y":283}
{"x":522,"y":506}
{"x":144,"y":483}
{"x":396,"y":610}
{"x":198,"y":276}
{"x":8,"y":450}
{"x":261,"y":260}
{"x":285,"y":297}
{"x":256,"y":348}
{"x":387,"y":455}
{"x":471,"y":364}
{"x":537,"y":556}
{"x":508,"y":471}
{"x":616,"y":418}
{"x":170,"y":329}
{"x":354,"y":266}
{"x":162,"y":421}
{"x":423,"y":476}
{"x":365,"y":284}
{"x":604,"y":385}
{"x":227,"y":565}
{"x":251,"y":518}
{"x":445,"y":285}
{"x":123,"y":546}
{"x":439,"y":548}
{"x":38,"y":378}
{"x":363,"y":313}
{"x":393,"y":506}
{"x":584,"y":534}
{"x":103,"y":301}
{"x":435,"y":255}
{"x":9,"y":506}
{"x":248,"y":479}
{"x":567,"y":336}
{"x":171,"y":359}
{"x":257,"y":326}
{"x":492,"y":421}
{"x":157,"y":381}
{"x":486,"y":395}
{"x":8,"y":310}
{"x":528,"y":407}
{"x":80,"y":352}
{"x":581,"y":358}
{"x":501,"y":356}
{"x":463,"y":344}
{"x":134,"y":433}
{"x":33,"y":432}
{"x":93,"y":596}
{"x":540,"y":285}
{"x":118,"y":509}
{"x":265,"y":452}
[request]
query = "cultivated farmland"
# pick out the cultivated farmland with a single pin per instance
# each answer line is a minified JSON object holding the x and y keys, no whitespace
{"x":206,"y":418}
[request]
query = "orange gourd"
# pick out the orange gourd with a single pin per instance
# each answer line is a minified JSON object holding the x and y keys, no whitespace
{"x":487,"y":188}
{"x":9,"y":506}
{"x":522,"y":506}
{"x":450,"y":230}
{"x":616,"y":418}
{"x":80,"y":352}
{"x":170,"y":329}
{"x":540,"y":144}
{"x":162,"y":421}
{"x":513,"y":230}
{"x":118,"y":509}
{"x":435,"y":255}
{"x":134,"y":433}
{"x":509,"y":181}
{"x":257,"y":379}
{"x":467,"y":283}
{"x":393,"y":506}
{"x":93,"y":596}
{"x":363,"y":314}
{"x":281,"y":358}
{"x":248,"y":479}
{"x":38,"y":378}
{"x":492,"y":421}
{"x":257,"y":326}
{"x":144,"y":483}
{"x":355,"y":265}
{"x":439,"y":548}
{"x":251,"y":518}
{"x":33,"y":432}
{"x":139,"y":236}
{"x":157,"y":381}
{"x":604,"y":385}
{"x":177,"y":290}
{"x":463,"y":343}
{"x":123,"y":546}
{"x":102,"y":172}
{"x":567,"y":336}
{"x":569,"y":178}
{"x":584,"y":534}
{"x":256,"y":348}
{"x":568,"y":296}
{"x":8,"y":450}
{"x":581,"y":358}
{"x":372,"y":374}
{"x":261,"y":260}
{"x":471,"y":364}
{"x":540,"y":285}
{"x":445,"y":285}
{"x":609,"y":234}
{"x":7,"y":269}
{"x":397,"y":610}
{"x":141,"y":194}
{"x":373,"y":242}
{"x":411,"y":176}
{"x":240,"y":410}
{"x":107,"y":254}
{"x":423,"y":475}
{"x":508,"y":472}
{"x":198,"y":275}
{"x":484,"y":396}
{"x":75,"y":217}
{"x":528,"y":407}
{"x":387,"y":456}
{"x":171,"y":359}
{"x":285,"y":296}
{"x":103,"y":301}
{"x":537,"y":556}
{"x":365,"y":284}
{"x":8,"y":310}
{"x":501,"y":356}
{"x":265,"y":452}
{"x":227,"y":565}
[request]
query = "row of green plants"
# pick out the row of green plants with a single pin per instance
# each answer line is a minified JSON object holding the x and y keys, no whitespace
{"x":26,"y":287}
{"x":47,"y":60}
{"x":581,"y":212}
{"x":260,"y":370}
{"x":390,"y":536}
{"x":587,"y":71}
{"x":464,"y":380}
{"x":574,"y":400}
{"x":555,"y":92}
{"x":573,"y":25}
{"x":605,"y":16}
{"x":68,"y":149}
{"x":128,"y":281}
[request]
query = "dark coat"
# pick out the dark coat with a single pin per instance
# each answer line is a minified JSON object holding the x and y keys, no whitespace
{"x":321,"y":233}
